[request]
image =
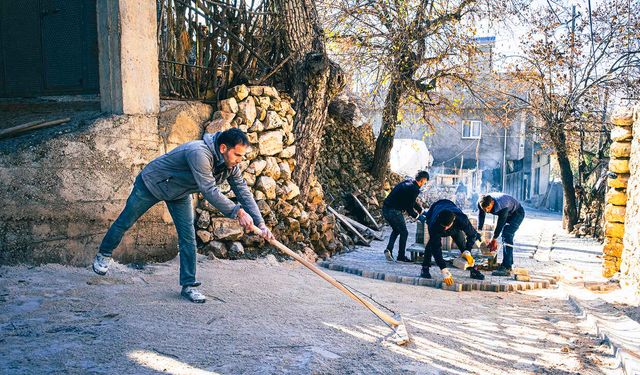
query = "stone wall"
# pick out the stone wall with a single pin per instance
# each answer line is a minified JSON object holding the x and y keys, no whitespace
{"x":630,"y":265}
{"x":616,"y":197}
{"x":62,"y":187}
{"x":267,"y":118}
{"x":345,"y":160}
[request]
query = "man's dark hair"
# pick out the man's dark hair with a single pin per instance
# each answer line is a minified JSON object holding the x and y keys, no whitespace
{"x":232,"y":137}
{"x":485,"y":201}
{"x":445,"y":218}
{"x":422,"y":174}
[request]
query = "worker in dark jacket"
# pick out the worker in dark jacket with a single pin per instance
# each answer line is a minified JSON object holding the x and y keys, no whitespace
{"x":444,"y":219}
{"x":510,"y":215}
{"x":402,"y":198}
{"x":197,"y":166}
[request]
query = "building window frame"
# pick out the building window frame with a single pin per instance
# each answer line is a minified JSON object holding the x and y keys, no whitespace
{"x":473,"y":129}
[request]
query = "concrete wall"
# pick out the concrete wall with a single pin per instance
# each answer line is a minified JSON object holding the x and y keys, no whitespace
{"x":61,"y":188}
{"x":128,"y":56}
{"x":630,"y":265}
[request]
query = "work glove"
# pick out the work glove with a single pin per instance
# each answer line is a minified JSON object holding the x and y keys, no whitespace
{"x":467,"y":255}
{"x":266,"y":232}
{"x":493,"y":245}
{"x":422,"y":218}
{"x":447,"y":277}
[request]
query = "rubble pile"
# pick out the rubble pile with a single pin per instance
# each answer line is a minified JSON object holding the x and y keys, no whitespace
{"x":345,"y":160}
{"x":306,"y":226}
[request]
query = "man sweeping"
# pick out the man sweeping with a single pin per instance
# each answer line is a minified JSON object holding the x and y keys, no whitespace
{"x":510,"y":215}
{"x":444,"y":219}
{"x":197,"y":166}
{"x":402,"y":199}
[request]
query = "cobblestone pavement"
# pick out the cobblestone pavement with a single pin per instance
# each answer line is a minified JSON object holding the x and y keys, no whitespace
{"x":542,"y":247}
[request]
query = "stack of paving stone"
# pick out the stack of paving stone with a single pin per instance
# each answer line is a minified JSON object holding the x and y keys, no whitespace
{"x":461,"y":284}
{"x":616,"y":197}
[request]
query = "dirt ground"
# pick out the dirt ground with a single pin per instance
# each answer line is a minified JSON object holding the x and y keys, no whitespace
{"x":265,"y":317}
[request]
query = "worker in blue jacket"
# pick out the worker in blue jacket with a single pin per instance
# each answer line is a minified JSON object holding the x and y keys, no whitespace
{"x":444,"y":219}
{"x":510,"y":215}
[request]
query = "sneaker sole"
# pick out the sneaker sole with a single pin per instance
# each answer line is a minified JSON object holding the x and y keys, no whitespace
{"x":98,"y":272}
{"x":193,"y":300}
{"x":389,"y":257}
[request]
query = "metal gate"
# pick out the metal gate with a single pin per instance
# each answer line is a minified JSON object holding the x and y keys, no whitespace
{"x":48,"y":47}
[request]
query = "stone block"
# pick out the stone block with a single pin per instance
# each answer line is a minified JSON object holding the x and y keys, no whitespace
{"x":228,"y":105}
{"x":520,"y":271}
{"x":256,"y":90}
{"x":621,"y":181}
{"x":622,"y":116}
{"x":621,"y":134}
{"x":226,"y":229}
{"x":610,"y":265}
{"x":619,"y":165}
{"x":271,"y":143}
{"x":614,"y":214}
{"x":613,"y":246}
{"x":391,"y":278}
{"x":288,"y":152}
{"x":614,"y":230}
{"x":239,"y":92}
{"x":270,"y":92}
{"x":219,"y":249}
{"x":247,"y":111}
{"x":274,"y":121}
{"x":267,"y":185}
{"x":620,"y":150}
{"x":617,"y":197}
{"x":236,"y":250}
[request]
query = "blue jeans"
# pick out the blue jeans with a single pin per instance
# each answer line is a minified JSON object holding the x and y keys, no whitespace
{"x":399,"y":226}
{"x":140,"y":201}
{"x":508,"y":232}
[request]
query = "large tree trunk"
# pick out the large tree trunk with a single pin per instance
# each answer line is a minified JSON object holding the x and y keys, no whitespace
{"x":570,"y":212}
{"x":384,"y":143}
{"x":312,"y":79}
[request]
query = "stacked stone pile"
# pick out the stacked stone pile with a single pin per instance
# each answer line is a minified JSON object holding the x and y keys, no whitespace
{"x":267,"y":118}
{"x":345,"y":160}
{"x":616,"y":197}
{"x":630,"y":267}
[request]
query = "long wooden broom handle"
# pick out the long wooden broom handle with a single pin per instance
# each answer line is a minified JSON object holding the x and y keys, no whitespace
{"x":381,"y":314}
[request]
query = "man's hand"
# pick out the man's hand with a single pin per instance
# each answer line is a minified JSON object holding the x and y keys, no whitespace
{"x":422,"y":218}
{"x":493,"y":245}
{"x":447,"y":277}
{"x":266,"y":233}
{"x":245,"y":220}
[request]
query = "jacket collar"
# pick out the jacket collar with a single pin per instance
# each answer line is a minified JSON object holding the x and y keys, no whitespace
{"x":211,"y":141}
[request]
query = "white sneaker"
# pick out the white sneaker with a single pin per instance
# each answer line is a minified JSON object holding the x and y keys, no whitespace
{"x":101,"y":264}
{"x":192,"y":294}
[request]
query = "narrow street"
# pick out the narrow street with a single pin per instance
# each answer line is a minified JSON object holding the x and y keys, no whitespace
{"x":265,"y":317}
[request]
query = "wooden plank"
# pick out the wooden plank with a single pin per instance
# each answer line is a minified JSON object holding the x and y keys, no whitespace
{"x":363,"y":228}
{"x":349,"y":226}
{"x":366,"y":212}
{"x":6,"y":133}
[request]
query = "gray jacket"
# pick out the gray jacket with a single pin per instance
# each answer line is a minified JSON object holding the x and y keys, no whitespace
{"x":198,"y":166}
